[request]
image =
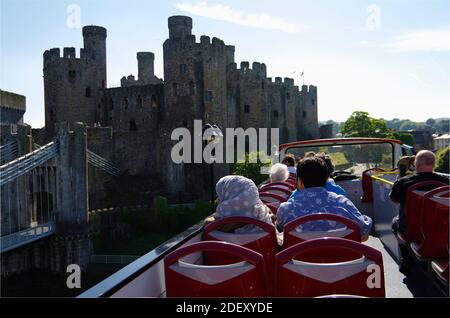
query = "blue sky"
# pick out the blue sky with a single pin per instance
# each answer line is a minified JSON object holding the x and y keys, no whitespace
{"x":390,"y":58}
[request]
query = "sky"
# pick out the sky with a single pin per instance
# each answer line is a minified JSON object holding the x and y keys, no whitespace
{"x":390,"y":58}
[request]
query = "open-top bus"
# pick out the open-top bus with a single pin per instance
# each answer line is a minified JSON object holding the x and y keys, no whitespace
{"x":206,"y":262}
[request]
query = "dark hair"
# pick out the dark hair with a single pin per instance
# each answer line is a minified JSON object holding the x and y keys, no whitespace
{"x":313,"y":172}
{"x":328,"y":162}
{"x":289,"y":161}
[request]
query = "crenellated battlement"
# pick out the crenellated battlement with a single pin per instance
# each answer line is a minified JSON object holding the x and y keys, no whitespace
{"x":257,"y":70}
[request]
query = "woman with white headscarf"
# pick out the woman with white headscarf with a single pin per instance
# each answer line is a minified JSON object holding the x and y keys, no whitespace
{"x":239,"y":196}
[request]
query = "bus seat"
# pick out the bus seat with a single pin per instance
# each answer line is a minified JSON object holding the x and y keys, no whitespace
{"x":286,"y":193}
{"x":434,"y":226}
{"x":246,"y":278}
{"x":440,"y":268}
{"x":272,"y":198}
{"x":313,"y":268}
{"x":413,"y":210}
{"x":263,"y":242}
{"x":350,"y":230}
{"x":367,"y":186}
{"x":285,"y":185}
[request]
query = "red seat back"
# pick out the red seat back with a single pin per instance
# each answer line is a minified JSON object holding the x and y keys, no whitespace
{"x":281,"y":191}
{"x":413,"y":208}
{"x":351,"y":229}
{"x":263,"y":242}
{"x":244,"y":279}
{"x":286,"y":185}
{"x":313,"y":268}
{"x":367,"y":186}
{"x":435,"y":223}
{"x":271,"y":198}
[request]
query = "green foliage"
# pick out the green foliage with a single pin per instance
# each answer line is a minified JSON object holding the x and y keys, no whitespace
{"x":442,"y":160}
{"x":179,"y":218}
{"x":251,"y":166}
{"x":404,"y":137}
{"x":360,"y":124}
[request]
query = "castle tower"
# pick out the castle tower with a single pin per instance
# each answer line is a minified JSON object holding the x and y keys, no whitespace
{"x":94,"y":39}
{"x":72,"y":85}
{"x":146,"y":67}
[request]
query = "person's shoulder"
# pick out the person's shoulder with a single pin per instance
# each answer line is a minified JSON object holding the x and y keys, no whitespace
{"x":441,"y":177}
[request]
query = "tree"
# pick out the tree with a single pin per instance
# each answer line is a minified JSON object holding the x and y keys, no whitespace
{"x":431,"y":122}
{"x":360,"y":124}
{"x":442,"y":160}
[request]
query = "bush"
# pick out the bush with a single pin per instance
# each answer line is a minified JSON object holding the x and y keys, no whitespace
{"x":252,"y":170}
{"x":442,"y":160}
{"x":178,"y":218}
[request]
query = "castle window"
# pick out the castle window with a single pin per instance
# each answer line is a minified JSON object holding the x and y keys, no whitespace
{"x":209,"y":96}
{"x":125,"y":103}
{"x":247,"y":109}
{"x":72,"y":76}
{"x":175,"y":89}
{"x":183,"y":68}
{"x":88,"y":92}
{"x":153,"y":102}
{"x":139,"y":102}
{"x":263,"y":85}
{"x":133,"y":126}
{"x":313,"y":102}
{"x":288,"y":96}
{"x":304,"y":114}
{"x":275,"y":113}
{"x":185,"y":123}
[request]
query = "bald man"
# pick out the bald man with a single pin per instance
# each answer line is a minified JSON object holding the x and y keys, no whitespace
{"x":424,"y":162}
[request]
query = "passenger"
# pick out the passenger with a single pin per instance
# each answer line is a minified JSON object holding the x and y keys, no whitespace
{"x":278,"y":173}
{"x":405,"y":165}
{"x":424,"y":163}
{"x":312,"y":175}
{"x":289,"y":161}
{"x":331,"y":185}
{"x":238,"y":196}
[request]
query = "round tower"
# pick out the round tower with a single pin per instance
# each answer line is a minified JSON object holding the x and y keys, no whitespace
{"x":146,"y":67}
{"x":94,"y":38}
{"x":180,"y":27}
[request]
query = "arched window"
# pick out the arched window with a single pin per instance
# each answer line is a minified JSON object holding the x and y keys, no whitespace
{"x":153,"y":102}
{"x":125,"y":103}
{"x":88,"y":92}
{"x":139,"y":102}
{"x":133,"y":126}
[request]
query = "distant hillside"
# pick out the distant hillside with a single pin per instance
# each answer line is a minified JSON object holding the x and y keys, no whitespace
{"x":433,"y":125}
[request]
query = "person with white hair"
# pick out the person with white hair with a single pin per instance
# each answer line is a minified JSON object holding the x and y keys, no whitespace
{"x":424,"y":163}
{"x":278,"y":173}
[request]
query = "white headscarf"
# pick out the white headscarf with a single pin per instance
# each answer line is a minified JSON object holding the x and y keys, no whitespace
{"x":239,"y":196}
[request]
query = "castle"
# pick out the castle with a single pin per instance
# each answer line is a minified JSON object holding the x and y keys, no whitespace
{"x":131,"y":125}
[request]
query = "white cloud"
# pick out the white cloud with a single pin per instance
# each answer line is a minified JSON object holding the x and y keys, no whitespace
{"x":426,"y":41}
{"x":225,"y":13}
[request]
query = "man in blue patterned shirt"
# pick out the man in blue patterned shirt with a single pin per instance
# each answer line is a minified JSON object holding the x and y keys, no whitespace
{"x":313,"y":197}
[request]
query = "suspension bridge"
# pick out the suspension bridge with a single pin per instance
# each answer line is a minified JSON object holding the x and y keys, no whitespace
{"x":44,"y":190}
